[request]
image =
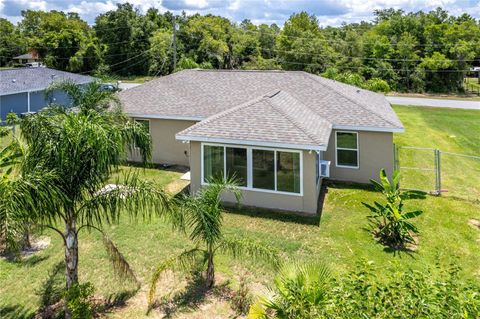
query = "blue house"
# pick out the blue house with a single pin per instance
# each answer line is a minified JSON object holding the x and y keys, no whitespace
{"x":23,"y":90}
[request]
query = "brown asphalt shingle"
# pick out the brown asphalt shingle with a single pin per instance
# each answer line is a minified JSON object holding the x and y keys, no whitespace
{"x":273,"y":118}
{"x":199,"y":94}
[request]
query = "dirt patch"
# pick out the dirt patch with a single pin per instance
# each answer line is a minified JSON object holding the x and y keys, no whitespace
{"x":474,"y":223}
{"x":37,"y":244}
{"x":176,"y":186}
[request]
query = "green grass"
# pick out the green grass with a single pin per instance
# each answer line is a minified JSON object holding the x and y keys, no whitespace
{"x":453,"y":131}
{"x":340,"y":240}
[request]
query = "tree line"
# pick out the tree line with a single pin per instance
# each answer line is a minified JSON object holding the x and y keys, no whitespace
{"x":414,"y":51}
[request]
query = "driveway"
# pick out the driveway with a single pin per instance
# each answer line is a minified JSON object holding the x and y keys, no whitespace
{"x":417,"y":101}
{"x":126,"y":86}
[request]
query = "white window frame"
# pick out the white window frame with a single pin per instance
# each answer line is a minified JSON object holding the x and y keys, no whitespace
{"x":149,"y":128}
{"x":249,"y":149}
{"x":347,"y":149}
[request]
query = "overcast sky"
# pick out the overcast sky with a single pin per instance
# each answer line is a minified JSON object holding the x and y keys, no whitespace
{"x":329,"y":12}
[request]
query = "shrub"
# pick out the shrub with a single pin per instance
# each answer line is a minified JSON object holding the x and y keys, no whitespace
{"x":77,"y":299}
{"x":402,"y":293}
{"x":390,"y":224}
{"x":377,"y":85}
{"x":241,"y":298}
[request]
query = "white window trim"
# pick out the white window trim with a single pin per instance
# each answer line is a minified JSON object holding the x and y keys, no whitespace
{"x":347,"y":149}
{"x":249,"y":149}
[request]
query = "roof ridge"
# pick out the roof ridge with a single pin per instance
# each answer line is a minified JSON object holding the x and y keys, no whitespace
{"x":225,"y":113}
{"x":314,"y":77}
{"x":296,"y":123}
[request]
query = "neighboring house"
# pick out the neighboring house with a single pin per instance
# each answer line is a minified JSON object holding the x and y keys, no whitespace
{"x":279,"y":132}
{"x":22,"y":90}
{"x":30,"y":57}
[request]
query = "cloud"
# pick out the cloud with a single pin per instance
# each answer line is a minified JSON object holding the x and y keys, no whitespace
{"x":328,"y":12}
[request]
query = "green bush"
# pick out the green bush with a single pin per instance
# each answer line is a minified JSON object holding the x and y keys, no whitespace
{"x":402,"y":293}
{"x":77,"y":299}
{"x":377,"y":85}
{"x":391,"y":225}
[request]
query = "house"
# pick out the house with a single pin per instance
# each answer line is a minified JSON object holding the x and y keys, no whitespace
{"x":30,"y":57}
{"x":22,"y":89}
{"x":279,"y":132}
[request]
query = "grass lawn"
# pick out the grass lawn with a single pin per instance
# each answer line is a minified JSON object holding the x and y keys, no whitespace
{"x":339,"y":240}
{"x":453,"y":131}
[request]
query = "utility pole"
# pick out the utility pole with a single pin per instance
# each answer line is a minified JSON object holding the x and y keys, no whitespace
{"x":175,"y":27}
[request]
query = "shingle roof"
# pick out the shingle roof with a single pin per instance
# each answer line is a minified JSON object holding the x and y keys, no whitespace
{"x":25,"y":56}
{"x":275,"y":118}
{"x":199,"y":94}
{"x":34,"y":79}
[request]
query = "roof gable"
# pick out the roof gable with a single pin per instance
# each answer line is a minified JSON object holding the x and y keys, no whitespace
{"x":274,"y":119}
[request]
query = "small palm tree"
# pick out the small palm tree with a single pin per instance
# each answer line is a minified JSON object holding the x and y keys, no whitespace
{"x":83,"y":149}
{"x":203,"y":217}
{"x":299,"y":292}
{"x":90,"y":96}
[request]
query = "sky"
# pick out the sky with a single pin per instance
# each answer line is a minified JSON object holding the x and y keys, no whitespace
{"x":328,"y":12}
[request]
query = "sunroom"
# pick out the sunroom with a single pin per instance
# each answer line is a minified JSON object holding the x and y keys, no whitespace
{"x":268,"y":146}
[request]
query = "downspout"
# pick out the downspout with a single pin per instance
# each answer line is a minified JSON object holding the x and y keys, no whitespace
{"x":28,"y":102}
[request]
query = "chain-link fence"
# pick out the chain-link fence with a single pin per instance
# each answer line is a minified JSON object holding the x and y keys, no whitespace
{"x":439,"y":172}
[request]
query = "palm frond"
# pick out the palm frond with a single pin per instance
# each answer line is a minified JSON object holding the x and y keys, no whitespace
{"x":128,"y":194}
{"x":243,"y":247}
{"x":119,"y":263}
{"x":186,"y":260}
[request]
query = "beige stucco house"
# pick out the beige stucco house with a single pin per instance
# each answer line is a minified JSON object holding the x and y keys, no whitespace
{"x":279,"y":132}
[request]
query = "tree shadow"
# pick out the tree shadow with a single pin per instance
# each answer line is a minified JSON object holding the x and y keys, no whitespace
{"x":190,"y":298}
{"x":15,"y":312}
{"x":52,"y":289}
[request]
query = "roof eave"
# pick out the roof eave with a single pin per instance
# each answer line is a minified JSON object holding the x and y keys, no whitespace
{"x":369,"y":128}
{"x":206,"y":139}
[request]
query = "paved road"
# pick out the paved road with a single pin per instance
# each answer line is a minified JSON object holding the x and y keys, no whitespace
{"x":456,"y":104}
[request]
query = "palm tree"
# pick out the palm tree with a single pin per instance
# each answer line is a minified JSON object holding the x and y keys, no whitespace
{"x":90,"y":96}
{"x":19,"y":195}
{"x":83,"y":149}
{"x":203,"y":217}
{"x":298,"y":292}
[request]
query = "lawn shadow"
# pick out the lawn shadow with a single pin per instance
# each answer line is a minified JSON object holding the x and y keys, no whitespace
{"x":51,"y":290}
{"x":278,"y":215}
{"x":15,"y":312}
{"x":190,"y":298}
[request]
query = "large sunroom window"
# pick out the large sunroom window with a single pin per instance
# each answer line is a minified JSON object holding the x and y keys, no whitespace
{"x":254,"y":168}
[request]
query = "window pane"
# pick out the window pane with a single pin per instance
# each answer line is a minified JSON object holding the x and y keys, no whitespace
{"x":288,"y":172}
{"x":347,"y":140}
{"x":347,"y":158}
{"x":237,"y":164}
{"x":263,"y":169}
{"x":212,"y":162}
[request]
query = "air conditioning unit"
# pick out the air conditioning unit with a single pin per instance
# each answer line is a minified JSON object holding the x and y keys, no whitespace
{"x":324,"y":168}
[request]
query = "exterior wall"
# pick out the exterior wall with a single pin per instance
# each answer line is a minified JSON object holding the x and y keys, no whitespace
{"x":18,"y":103}
{"x":166,"y":149}
{"x":305,"y":204}
{"x":375,"y":153}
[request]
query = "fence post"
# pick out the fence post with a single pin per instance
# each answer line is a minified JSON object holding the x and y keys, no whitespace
{"x":438,"y":172}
